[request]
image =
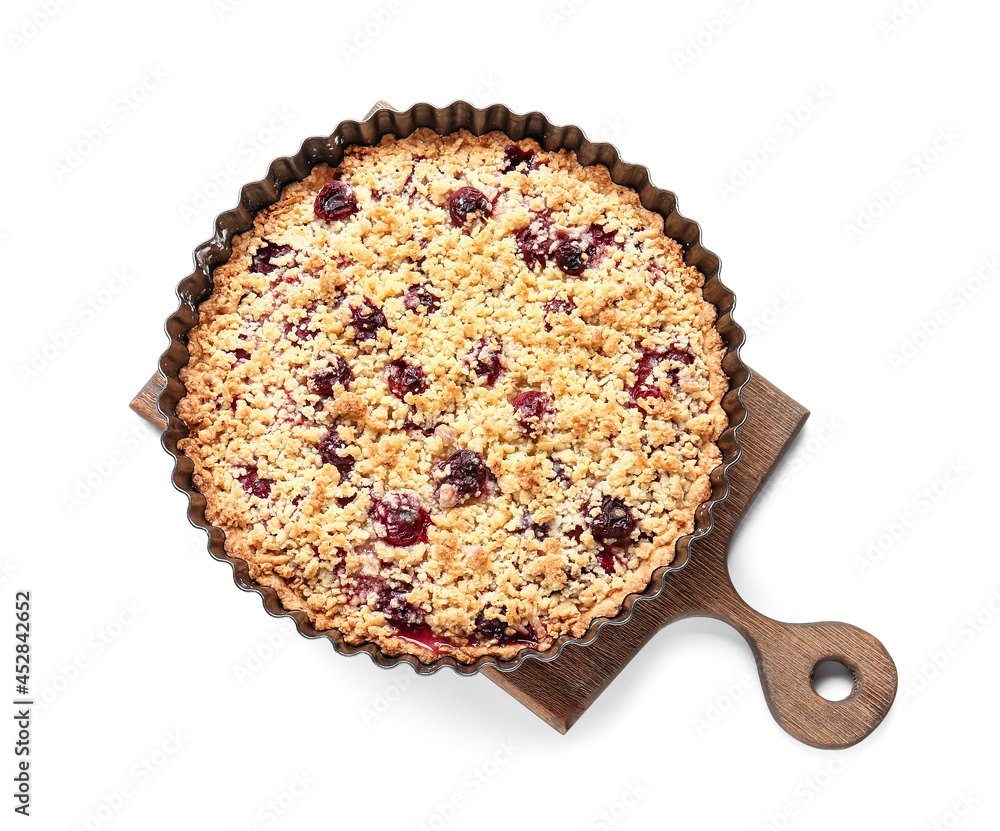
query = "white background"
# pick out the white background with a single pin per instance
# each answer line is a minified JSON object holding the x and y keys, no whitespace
{"x":139,"y":636}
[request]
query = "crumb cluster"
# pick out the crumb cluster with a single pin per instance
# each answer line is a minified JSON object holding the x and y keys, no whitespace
{"x":457,"y":396}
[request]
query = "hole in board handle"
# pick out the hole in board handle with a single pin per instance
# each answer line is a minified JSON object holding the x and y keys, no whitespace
{"x":832,"y":680}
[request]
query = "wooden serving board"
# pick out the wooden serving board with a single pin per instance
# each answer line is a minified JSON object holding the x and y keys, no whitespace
{"x":560,"y":691}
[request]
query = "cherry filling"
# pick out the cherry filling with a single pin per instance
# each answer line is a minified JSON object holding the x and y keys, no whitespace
{"x":329,"y":451}
{"x":241,"y":355}
{"x":255,"y":486}
{"x":515,"y":157}
{"x":462,"y":475}
{"x":573,"y":255}
{"x":535,"y":241}
{"x":335,"y":201}
{"x":422,"y":300}
{"x":558,"y":306}
{"x":606,"y":559}
{"x":367,"y":319}
{"x":323,"y":381}
{"x":485,"y":360}
{"x":562,"y":473}
{"x":262,"y":259}
{"x":397,"y":610}
{"x":615,"y":520}
{"x":405,"y":378}
{"x":466,"y":202}
{"x":533,"y":407}
{"x":645,"y":384}
{"x":400,"y":518}
{"x":495,"y":629}
{"x":540,"y":530}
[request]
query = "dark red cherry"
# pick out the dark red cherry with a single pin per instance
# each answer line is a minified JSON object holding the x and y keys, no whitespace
{"x":335,"y":201}
{"x":515,"y":156}
{"x":367,"y":319}
{"x":485,"y":361}
{"x":400,"y":518}
{"x":533,"y":407}
{"x":489,"y":629}
{"x":302,"y":331}
{"x":601,"y":238}
{"x":322,"y":381}
{"x":540,"y":530}
{"x":329,"y":451}
{"x":534,"y":245}
{"x":422,"y":300}
{"x":558,"y":306}
{"x":241,"y":355}
{"x":255,"y":486}
{"x":562,"y":472}
{"x":397,"y":610}
{"x":495,"y":629}
{"x":468,"y":201}
{"x":262,"y":259}
{"x":645,"y":383}
{"x":614,"y":521}
{"x":405,"y":378}
{"x":464,"y":474}
{"x":571,"y":256}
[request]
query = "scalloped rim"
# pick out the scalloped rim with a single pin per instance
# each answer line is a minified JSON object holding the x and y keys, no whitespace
{"x":192,"y":290}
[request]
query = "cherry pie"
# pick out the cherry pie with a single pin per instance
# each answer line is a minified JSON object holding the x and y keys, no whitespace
{"x":459,"y":396}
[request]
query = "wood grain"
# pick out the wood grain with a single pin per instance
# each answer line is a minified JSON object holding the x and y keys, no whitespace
{"x":561,"y":690}
{"x":144,"y":402}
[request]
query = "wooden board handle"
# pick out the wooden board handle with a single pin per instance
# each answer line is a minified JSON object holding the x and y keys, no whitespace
{"x":787,"y":656}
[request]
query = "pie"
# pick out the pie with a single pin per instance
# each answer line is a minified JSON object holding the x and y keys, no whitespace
{"x":458,"y":396}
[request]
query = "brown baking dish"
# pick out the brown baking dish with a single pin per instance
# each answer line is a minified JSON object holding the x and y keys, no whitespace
{"x":384,"y":121}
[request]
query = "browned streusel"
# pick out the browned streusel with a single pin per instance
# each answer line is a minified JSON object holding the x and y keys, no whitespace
{"x":302,"y":470}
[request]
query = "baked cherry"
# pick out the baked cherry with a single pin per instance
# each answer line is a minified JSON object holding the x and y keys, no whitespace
{"x":422,"y":300}
{"x":601,"y":238}
{"x":323,"y":381}
{"x":495,"y":629}
{"x":562,"y":472}
{"x":614,"y":521}
{"x":335,"y":201}
{"x":489,"y":629}
{"x":485,"y":360}
{"x":468,"y":201}
{"x":560,"y":306}
{"x":405,"y":378}
{"x":255,"y":486}
{"x":463,"y":474}
{"x":262,"y":259}
{"x":645,"y":384}
{"x":533,"y":407}
{"x":534,"y":243}
{"x":367,"y":319}
{"x":329,"y":451}
{"x":515,"y":156}
{"x":571,"y":256}
{"x":400,"y":518}
{"x":241,"y":355}
{"x":397,"y":610}
{"x":540,"y":530}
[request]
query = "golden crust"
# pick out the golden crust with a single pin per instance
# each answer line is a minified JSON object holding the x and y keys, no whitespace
{"x":521,"y":559}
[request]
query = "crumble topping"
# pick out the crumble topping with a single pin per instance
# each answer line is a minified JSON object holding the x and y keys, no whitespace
{"x":457,"y":396}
